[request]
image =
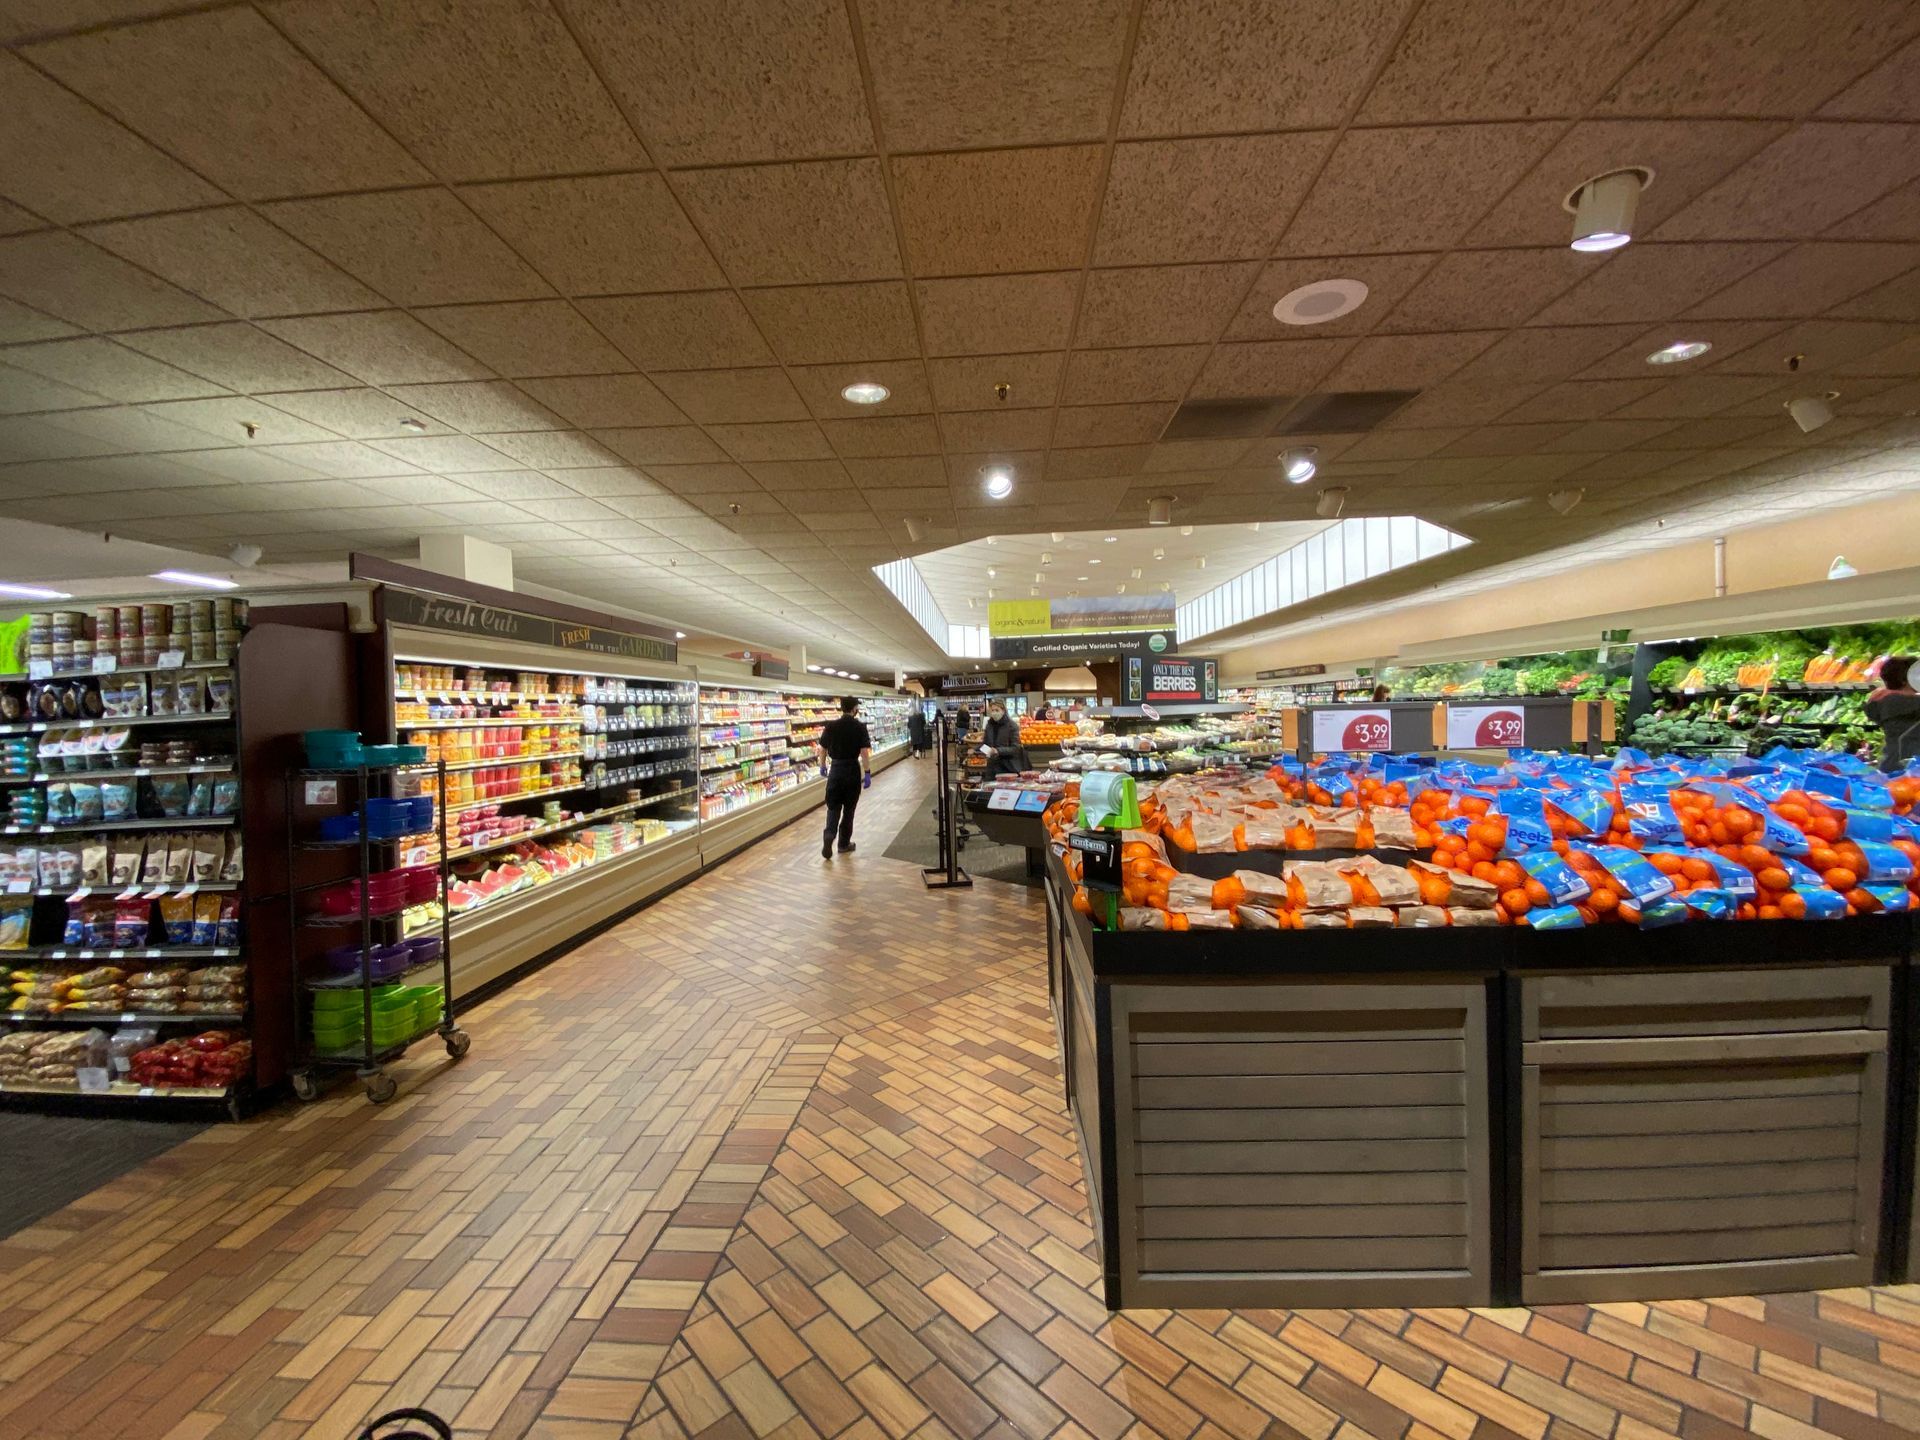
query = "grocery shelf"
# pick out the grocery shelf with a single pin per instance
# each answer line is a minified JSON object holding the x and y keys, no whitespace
{"x":506,"y":799}
{"x":132,"y":952}
{"x":494,"y":760}
{"x":122,"y":1017}
{"x":177,"y":822}
{"x":566,"y":720}
{"x":107,"y":722}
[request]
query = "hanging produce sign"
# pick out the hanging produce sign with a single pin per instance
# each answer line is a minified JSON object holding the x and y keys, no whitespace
{"x":467,"y":617}
{"x":1171,"y":679}
{"x":1471,"y":727}
{"x":1352,"y":730}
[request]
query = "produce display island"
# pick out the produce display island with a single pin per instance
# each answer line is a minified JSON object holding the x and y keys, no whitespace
{"x":1488,"y":1115}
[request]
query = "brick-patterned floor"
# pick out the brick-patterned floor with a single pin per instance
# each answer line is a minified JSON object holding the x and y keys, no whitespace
{"x":785,"y":1156}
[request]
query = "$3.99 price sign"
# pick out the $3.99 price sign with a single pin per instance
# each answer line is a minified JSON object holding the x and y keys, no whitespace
{"x":1474,"y":727}
{"x":1352,"y":730}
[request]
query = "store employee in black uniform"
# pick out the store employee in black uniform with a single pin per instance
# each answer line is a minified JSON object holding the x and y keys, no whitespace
{"x":845,"y":753}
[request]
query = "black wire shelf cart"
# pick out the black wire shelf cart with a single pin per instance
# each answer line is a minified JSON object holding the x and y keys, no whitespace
{"x":367,"y":1059}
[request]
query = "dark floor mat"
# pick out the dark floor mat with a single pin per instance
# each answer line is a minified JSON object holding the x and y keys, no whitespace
{"x":52,"y":1160}
{"x":918,"y":843}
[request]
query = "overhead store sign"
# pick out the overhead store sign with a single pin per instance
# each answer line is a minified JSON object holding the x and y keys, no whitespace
{"x":1090,"y":645}
{"x":466,"y":617}
{"x":1171,"y":679}
{"x":1086,"y":613}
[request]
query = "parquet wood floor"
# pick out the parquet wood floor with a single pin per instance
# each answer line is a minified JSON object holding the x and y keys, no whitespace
{"x":785,"y":1156}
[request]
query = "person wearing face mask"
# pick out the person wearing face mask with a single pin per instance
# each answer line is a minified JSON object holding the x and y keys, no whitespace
{"x":845,"y":753}
{"x":1000,"y":742}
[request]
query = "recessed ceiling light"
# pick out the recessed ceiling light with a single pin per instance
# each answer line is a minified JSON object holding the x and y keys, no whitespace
{"x":1680,"y":350}
{"x":1301,"y":463}
{"x":1319,"y":302}
{"x":1603,"y":209}
{"x":999,"y":484}
{"x":865,"y":392}
{"x":188,"y":577}
{"x":407,"y":422}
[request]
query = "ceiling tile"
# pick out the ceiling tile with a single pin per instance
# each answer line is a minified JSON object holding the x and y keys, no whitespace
{"x":1102,"y":377}
{"x":237,"y":356}
{"x":538,"y":337}
{"x":1652,"y":282}
{"x":1174,"y":201}
{"x":237,"y":260}
{"x":1387,"y":278}
{"x":1163,"y":304}
{"x":1411,"y":189}
{"x":21,"y":322}
{"x":1801,"y":183}
{"x":996,"y":429}
{"x":796,"y":440}
{"x":1109,"y":425}
{"x":660,"y":445}
{"x":104,"y":368}
{"x":360,"y":414}
{"x":416,"y":247}
{"x":1725,"y":57}
{"x":474,"y":406}
{"x":990,"y":314}
{"x":1268,"y":367}
{"x":735,"y":396}
{"x":503,"y":89}
{"x":380,"y":347}
{"x":554,"y":450}
{"x":1510,"y":59}
{"x":695,"y":330}
{"x":63,"y":158}
{"x":68,"y":278}
{"x":1205,"y":66}
{"x":446,"y":454}
{"x":1687,"y":158}
{"x":1809,"y":279}
{"x":599,"y":401}
{"x":950,"y":75}
{"x":599,"y":234}
{"x":795,"y":224}
{"x":23,"y":393}
{"x":814,"y":324}
{"x":906,"y":382}
{"x":718,"y":84}
{"x":987,"y":211}
{"x":968,"y":383}
{"x":1487,"y":288}
{"x":896,"y":435}
{"x":228,"y":95}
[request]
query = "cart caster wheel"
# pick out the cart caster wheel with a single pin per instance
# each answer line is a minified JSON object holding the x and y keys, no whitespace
{"x":458,"y":1042}
{"x":381,"y":1088}
{"x":305,"y":1087}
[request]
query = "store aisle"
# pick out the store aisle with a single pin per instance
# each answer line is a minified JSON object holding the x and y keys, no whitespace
{"x":784,"y":1155}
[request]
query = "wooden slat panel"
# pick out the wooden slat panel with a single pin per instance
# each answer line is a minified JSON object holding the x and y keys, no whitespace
{"x":1310,"y":1057}
{"x":1642,"y":1084}
{"x":1239,"y":1256}
{"x":1695,"y":1116}
{"x":1406,"y":1122}
{"x":1277,"y":1091}
{"x":1642,"y":1217}
{"x":1689,"y":1182}
{"x":1779,"y":1242}
{"x":1364,"y":1189}
{"x":1285,"y":1221}
{"x":1657,"y":1150}
{"x":1294,"y":1157}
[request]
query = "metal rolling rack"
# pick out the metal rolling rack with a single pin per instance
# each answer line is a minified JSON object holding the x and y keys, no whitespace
{"x":369,"y":1060}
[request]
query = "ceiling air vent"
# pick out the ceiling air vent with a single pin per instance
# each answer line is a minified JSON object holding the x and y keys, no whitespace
{"x":1348,"y":412}
{"x":1228,"y":419}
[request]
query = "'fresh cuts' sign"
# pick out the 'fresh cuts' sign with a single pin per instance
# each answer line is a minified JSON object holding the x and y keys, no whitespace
{"x":1352,"y":730}
{"x":1472,"y":727}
